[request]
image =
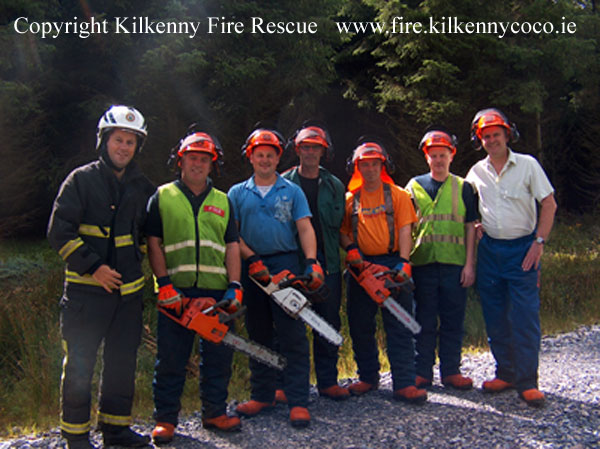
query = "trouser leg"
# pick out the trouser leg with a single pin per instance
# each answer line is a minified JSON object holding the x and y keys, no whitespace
{"x":493,"y":291}
{"x":361,"y":311}
{"x":119,"y":363}
{"x":426,"y":298}
{"x":82,"y":323}
{"x":325,"y":353}
{"x":453,"y":301}
{"x":174,"y":344}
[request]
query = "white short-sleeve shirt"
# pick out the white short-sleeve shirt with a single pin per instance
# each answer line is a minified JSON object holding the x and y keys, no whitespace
{"x":507,"y":200}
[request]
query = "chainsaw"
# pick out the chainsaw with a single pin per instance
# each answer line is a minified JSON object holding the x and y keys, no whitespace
{"x":378,"y":282}
{"x":210,"y":324}
{"x":284,"y":288}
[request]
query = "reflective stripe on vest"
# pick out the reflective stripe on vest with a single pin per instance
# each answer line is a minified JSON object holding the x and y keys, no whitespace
{"x":194,"y":246}
{"x":389,"y":214}
{"x":126,"y":289}
{"x":440,"y":231}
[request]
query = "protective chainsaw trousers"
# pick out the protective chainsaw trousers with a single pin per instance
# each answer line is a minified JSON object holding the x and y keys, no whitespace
{"x":89,"y":316}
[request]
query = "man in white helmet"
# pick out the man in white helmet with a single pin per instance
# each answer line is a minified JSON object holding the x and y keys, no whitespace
{"x":95,"y":227}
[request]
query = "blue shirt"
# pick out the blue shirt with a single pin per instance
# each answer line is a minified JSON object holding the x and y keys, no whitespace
{"x":268,"y":225}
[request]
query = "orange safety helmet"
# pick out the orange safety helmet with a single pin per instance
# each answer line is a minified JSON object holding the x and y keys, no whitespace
{"x":368,"y":149}
{"x":436,"y":137}
{"x":202,"y":143}
{"x":263,"y":136}
{"x":491,"y":117}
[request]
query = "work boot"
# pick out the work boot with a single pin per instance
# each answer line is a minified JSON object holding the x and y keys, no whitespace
{"x":359,"y":388}
{"x":163,"y":433}
{"x":533,"y":397}
{"x":80,"y":443}
{"x":422,"y":382}
{"x":280,"y":397}
{"x":496,"y":385}
{"x":335,"y":392}
{"x":458,"y":382}
{"x":223,"y":422}
{"x":253,"y":408}
{"x":123,"y":436}
{"x":299,"y":417}
{"x":411,"y":394}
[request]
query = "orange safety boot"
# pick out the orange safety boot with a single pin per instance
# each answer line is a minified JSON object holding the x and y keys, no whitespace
{"x":280,"y":397}
{"x":163,"y":433}
{"x":411,"y":394}
{"x":299,"y":417}
{"x":496,"y":385}
{"x":335,"y":392}
{"x":422,"y":382}
{"x":223,"y":422}
{"x":458,"y":382}
{"x":359,"y":388}
{"x":533,"y":397}
{"x":253,"y":408}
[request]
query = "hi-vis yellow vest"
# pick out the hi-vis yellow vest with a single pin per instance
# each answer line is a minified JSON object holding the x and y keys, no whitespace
{"x":182,"y":232}
{"x":440,"y":231}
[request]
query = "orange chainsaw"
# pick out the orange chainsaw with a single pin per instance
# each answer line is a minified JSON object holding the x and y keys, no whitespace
{"x":209,"y":323}
{"x":377,"y":281}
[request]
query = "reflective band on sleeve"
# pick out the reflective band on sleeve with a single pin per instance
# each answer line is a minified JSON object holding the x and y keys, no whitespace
{"x":123,"y":240}
{"x":94,"y":230}
{"x":87,"y":279}
{"x":69,"y":247}
{"x":115,"y":420}
{"x":132,"y":287}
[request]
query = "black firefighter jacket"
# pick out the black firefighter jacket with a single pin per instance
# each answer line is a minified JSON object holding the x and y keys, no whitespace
{"x":97,"y":220}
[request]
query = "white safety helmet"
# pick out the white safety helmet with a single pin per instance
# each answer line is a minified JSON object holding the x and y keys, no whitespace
{"x":125,"y":118}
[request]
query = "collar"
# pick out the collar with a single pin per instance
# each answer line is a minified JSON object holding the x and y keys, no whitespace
{"x":251,"y":185}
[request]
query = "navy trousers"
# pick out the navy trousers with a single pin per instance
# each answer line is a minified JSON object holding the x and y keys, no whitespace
{"x":175,"y":345}
{"x":361,"y":319}
{"x":510,"y":301}
{"x":264,"y":321}
{"x":441,"y":302}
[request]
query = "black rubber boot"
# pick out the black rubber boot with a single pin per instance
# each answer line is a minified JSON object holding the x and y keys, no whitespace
{"x":78,"y":441}
{"x":123,"y":436}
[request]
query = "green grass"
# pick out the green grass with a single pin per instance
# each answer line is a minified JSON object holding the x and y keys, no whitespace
{"x":31,"y":277}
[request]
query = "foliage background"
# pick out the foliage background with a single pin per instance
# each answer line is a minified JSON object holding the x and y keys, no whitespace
{"x":52,"y":91}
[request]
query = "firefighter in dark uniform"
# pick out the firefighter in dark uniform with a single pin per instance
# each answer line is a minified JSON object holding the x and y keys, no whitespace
{"x":95,"y":227}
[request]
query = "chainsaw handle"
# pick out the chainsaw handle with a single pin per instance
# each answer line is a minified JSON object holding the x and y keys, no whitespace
{"x":290,"y":282}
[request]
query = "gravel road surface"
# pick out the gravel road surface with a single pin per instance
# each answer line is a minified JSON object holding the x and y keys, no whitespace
{"x":570,"y":377}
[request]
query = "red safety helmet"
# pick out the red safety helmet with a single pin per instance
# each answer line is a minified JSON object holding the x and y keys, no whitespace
{"x":263,"y":136}
{"x":202,"y":143}
{"x":491,"y":117}
{"x":438,"y":138}
{"x":368,"y":149}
